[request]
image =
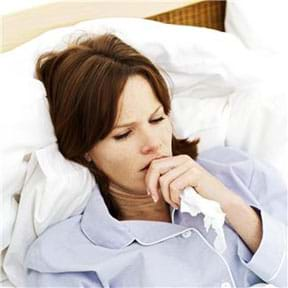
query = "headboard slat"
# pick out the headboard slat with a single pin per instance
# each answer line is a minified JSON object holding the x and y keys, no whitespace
{"x":210,"y":14}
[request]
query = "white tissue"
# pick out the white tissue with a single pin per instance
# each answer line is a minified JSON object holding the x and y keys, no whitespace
{"x":194,"y":204}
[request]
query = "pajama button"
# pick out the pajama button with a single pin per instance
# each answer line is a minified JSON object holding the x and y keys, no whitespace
{"x":225,"y":285}
{"x":186,"y":234}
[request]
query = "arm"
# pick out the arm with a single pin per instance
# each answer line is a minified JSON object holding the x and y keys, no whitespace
{"x":245,"y":221}
{"x":256,"y":184}
{"x":262,"y":225}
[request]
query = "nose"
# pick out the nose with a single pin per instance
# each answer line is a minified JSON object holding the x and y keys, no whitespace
{"x":151,"y":144}
{"x":150,"y":149}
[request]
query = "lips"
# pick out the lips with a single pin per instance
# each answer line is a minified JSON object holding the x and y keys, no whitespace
{"x":146,"y":167}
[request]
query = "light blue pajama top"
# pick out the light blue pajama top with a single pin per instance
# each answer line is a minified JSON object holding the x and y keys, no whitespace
{"x":96,"y":250}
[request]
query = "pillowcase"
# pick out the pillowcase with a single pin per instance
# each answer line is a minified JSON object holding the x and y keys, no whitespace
{"x":188,"y":121}
{"x":54,"y":189}
{"x":259,"y":123}
{"x":260,"y":24}
{"x":25,"y":126}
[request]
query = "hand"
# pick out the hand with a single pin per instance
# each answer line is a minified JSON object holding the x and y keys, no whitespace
{"x":171,"y":175}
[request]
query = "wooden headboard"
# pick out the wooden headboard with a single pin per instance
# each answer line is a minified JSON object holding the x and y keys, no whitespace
{"x":19,"y":27}
{"x":209,"y":14}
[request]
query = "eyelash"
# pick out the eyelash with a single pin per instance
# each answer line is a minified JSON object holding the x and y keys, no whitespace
{"x":123,"y":136}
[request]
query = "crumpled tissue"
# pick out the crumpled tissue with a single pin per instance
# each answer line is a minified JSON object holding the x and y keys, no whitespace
{"x":194,"y":203}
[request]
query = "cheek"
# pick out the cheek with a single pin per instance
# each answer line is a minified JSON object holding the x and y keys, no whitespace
{"x":166,"y":135}
{"x":114,"y":160}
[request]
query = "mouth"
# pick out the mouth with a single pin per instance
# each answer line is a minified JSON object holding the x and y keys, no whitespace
{"x":147,"y":166}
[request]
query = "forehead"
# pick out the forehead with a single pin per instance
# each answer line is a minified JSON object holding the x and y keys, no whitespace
{"x":137,"y":98}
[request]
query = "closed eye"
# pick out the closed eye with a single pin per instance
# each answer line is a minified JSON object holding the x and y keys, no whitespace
{"x":119,"y":137}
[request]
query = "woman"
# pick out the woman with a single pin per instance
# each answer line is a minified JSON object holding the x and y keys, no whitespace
{"x":109,"y":106}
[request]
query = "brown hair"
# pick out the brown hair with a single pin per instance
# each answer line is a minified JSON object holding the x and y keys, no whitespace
{"x":83,"y":83}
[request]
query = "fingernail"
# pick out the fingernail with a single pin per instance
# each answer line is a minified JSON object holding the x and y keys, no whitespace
{"x":154,"y":197}
{"x":148,"y":191}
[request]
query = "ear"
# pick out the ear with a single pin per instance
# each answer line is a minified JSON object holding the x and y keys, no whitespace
{"x":87,"y":157}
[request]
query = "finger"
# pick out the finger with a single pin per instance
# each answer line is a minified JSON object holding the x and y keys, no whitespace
{"x":188,"y":178}
{"x":169,"y":177}
{"x":159,"y":167}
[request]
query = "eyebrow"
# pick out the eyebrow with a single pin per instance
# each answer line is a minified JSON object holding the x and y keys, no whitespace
{"x":132,"y":123}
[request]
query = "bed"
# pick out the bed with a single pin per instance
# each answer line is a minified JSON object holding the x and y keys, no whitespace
{"x":244,"y":85}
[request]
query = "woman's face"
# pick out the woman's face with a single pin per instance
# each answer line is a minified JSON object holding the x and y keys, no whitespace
{"x":127,"y":149}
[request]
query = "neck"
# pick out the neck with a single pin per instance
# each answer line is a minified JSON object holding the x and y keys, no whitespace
{"x":139,"y":206}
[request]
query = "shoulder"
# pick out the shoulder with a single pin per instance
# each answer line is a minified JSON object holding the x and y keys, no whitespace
{"x":48,"y":251}
{"x":228,"y":162}
{"x":231,"y":159}
{"x":224,"y":154}
{"x":233,"y":162}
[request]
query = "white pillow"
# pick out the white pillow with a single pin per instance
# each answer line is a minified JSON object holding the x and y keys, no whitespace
{"x":54,"y":189}
{"x":206,"y":119}
{"x":258,"y":123}
{"x":25,"y":126}
{"x":260,"y":24}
